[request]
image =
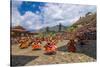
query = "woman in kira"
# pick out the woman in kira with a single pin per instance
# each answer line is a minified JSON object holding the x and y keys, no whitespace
{"x":71,"y":46}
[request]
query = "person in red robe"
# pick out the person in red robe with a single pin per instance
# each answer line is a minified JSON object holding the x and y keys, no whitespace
{"x":71,"y":46}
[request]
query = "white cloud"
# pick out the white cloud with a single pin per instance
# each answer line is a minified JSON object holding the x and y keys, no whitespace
{"x":16,"y":17}
{"x":52,"y":14}
{"x":65,"y":13}
{"x":29,"y":20}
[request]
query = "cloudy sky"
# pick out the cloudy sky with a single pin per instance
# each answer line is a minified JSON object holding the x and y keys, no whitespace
{"x":36,"y":15}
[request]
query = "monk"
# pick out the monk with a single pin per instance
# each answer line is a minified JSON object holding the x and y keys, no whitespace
{"x":71,"y":46}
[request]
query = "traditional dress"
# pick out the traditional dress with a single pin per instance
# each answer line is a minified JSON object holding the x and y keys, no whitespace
{"x":50,"y":48}
{"x":36,"y":46}
{"x":71,"y":46}
{"x":24,"y":45}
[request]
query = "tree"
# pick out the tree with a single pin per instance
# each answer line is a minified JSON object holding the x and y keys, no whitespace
{"x":60,"y":25}
{"x":47,"y":29}
{"x":88,"y":13}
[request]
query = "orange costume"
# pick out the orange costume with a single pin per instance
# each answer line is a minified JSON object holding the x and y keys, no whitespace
{"x":71,"y":46}
{"x":50,"y":48}
{"x":36,"y":46}
{"x":23,"y":43}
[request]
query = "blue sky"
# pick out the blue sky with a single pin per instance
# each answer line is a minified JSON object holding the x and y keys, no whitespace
{"x":30,"y":6}
{"x":36,"y":15}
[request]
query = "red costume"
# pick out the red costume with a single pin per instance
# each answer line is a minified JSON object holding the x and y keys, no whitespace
{"x":50,"y":48}
{"x":36,"y":45}
{"x":71,"y":46}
